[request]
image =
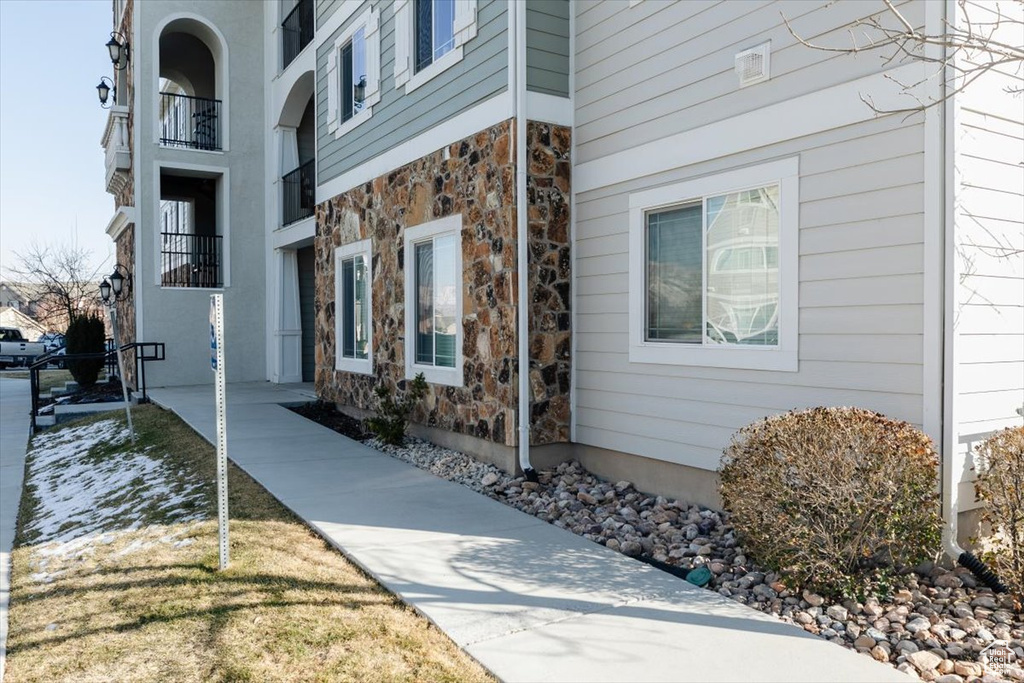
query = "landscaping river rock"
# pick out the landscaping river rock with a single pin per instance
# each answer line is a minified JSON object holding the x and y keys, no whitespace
{"x":936,"y":623}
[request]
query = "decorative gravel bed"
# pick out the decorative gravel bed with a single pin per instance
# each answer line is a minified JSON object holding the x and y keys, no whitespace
{"x":936,"y":623}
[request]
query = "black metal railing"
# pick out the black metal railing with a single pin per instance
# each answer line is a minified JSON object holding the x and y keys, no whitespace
{"x":188,"y":260}
{"x":299,"y":193}
{"x":142,"y":352}
{"x":297,"y":30}
{"x":192,"y":122}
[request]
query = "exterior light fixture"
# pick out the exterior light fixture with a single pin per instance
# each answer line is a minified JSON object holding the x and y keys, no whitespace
{"x":359,"y":91}
{"x":104,"y":89}
{"x":119,"y":51}
{"x":105,"y":291}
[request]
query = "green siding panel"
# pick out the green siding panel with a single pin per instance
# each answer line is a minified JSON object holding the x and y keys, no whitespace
{"x":547,"y":47}
{"x":482,"y":74}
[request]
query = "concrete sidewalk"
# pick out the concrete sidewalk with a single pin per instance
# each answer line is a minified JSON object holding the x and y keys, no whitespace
{"x":15,"y":401}
{"x":528,"y":600}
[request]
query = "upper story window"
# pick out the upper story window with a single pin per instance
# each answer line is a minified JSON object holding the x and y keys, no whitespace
{"x":433,"y":301}
{"x":353,"y":307}
{"x":713,"y":270}
{"x":435,"y":30}
{"x":429,"y":38}
{"x":353,"y":74}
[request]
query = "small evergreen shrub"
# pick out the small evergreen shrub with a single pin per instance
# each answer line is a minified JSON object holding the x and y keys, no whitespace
{"x":1000,"y":486}
{"x":86,"y":334}
{"x":834,"y":498}
{"x":392,"y":418}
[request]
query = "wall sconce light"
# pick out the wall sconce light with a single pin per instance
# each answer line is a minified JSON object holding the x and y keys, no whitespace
{"x":119,"y":50}
{"x":104,"y":89}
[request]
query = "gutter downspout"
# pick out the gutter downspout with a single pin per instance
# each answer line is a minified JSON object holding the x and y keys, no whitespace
{"x":522,"y":255}
{"x":949,"y":122}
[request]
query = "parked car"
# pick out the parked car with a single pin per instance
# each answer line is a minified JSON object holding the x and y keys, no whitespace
{"x":52,"y":341}
{"x":16,"y":350}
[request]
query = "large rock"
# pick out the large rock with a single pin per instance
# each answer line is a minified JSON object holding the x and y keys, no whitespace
{"x":924,"y":660}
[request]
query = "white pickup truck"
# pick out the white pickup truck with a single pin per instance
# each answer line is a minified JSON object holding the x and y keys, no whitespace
{"x":16,"y":350}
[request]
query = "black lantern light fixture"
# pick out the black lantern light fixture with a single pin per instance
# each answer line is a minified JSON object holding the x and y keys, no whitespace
{"x":117,"y":286}
{"x":359,"y":92}
{"x":104,"y":89}
{"x":119,"y":50}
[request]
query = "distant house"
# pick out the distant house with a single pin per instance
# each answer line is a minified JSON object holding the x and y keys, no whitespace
{"x":30,"y":328}
{"x":715,"y":225}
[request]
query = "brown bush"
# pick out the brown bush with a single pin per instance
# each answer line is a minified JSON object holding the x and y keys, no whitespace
{"x":1000,"y":486}
{"x":835,"y":498}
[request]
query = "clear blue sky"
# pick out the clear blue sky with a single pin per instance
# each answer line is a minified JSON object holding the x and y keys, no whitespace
{"x":52,"y":55}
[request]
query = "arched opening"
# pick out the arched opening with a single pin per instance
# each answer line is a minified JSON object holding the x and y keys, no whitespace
{"x":297,"y":134}
{"x":191,"y":85}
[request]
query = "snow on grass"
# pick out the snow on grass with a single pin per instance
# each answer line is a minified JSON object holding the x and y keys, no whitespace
{"x":90,"y":481}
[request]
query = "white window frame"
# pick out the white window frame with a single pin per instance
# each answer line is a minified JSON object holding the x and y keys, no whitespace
{"x":363,"y":248}
{"x":783,"y":357}
{"x":369,"y":21}
{"x":406,"y":76}
{"x":450,"y":225}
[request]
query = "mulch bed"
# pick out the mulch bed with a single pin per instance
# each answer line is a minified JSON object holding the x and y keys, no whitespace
{"x":326,"y":414}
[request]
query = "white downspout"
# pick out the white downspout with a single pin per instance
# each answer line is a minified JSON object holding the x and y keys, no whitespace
{"x":947,"y":112}
{"x":522,"y":263}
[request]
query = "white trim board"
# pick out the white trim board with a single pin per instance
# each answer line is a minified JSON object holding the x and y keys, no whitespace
{"x":482,"y":116}
{"x":120,"y":220}
{"x":548,"y":108}
{"x":815,"y":112}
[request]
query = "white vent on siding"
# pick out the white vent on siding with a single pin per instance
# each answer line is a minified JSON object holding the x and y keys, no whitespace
{"x":753,"y":65}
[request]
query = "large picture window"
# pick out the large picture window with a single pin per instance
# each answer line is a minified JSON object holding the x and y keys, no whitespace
{"x":353,"y":307}
{"x":713,"y":270}
{"x":434,"y":300}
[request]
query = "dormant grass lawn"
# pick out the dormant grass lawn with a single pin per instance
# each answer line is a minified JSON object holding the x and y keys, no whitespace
{"x":48,"y":379}
{"x":119,"y":582}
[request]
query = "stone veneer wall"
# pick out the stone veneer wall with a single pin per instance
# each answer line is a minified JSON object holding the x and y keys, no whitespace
{"x":126,"y":309}
{"x":550,"y":275}
{"x":126,"y":197}
{"x":478,"y":181}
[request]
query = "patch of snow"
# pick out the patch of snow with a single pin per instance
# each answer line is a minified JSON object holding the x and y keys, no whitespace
{"x":82,"y":497}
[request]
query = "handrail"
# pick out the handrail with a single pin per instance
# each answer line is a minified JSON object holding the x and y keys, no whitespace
{"x":144,"y":351}
{"x":298,"y":193}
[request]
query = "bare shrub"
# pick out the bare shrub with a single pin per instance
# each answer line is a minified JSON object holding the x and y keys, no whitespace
{"x":1000,"y":486}
{"x":834,"y":498}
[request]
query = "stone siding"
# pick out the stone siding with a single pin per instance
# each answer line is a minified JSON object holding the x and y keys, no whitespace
{"x":126,"y":197}
{"x":477,"y":179}
{"x":474,"y":177}
{"x":126,"y":309}
{"x":550,"y":277}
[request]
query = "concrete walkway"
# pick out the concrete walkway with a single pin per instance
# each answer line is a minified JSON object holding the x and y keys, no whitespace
{"x":15,"y":402}
{"x":528,"y":600}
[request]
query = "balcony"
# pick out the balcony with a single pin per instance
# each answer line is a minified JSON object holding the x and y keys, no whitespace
{"x":297,"y":30}
{"x":189,"y":260}
{"x":118,"y":153}
{"x":189,"y":122}
{"x":299,"y":193}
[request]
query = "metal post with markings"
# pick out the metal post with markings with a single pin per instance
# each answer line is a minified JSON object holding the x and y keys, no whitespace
{"x":217,"y":363}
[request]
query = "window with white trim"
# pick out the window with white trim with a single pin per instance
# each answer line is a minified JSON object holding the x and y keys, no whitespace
{"x":353,"y":74}
{"x":433,"y":301}
{"x":353,"y":307}
{"x":429,"y":38}
{"x":713,"y":270}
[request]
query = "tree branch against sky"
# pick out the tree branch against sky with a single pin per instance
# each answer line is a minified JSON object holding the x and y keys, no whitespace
{"x":62,"y":279}
{"x":987,"y":38}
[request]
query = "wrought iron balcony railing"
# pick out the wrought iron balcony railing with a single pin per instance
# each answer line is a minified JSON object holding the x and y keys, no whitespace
{"x":192,"y":122}
{"x":297,"y":30}
{"x":188,"y":260}
{"x":298,"y":193}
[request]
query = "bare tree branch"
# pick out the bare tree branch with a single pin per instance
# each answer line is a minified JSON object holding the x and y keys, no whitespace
{"x":61,"y":283}
{"x":969,"y":50}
